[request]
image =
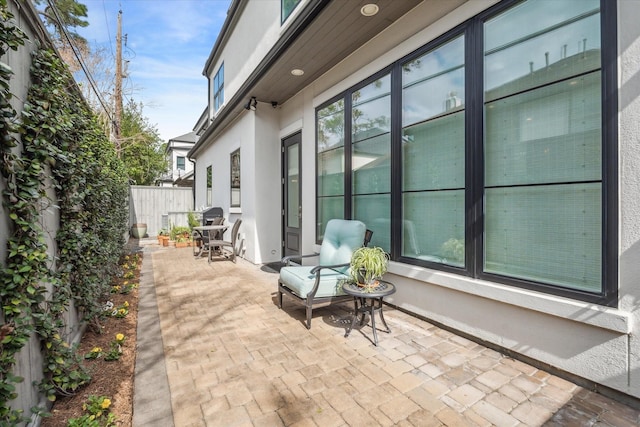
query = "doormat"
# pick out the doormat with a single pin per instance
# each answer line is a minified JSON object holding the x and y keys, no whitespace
{"x":273,"y":266}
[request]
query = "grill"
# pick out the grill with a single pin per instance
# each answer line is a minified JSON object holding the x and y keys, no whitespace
{"x":209,"y":215}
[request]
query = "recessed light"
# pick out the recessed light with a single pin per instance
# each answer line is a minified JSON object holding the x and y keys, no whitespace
{"x":369,"y":9}
{"x":297,"y":72}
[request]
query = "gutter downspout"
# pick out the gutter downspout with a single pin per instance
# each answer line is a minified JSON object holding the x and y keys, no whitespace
{"x":193,"y":187}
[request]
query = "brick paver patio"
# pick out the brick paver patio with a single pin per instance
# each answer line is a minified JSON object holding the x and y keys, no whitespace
{"x":223,"y":354}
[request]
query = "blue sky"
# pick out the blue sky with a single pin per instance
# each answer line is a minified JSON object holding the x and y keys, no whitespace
{"x":168,"y":42}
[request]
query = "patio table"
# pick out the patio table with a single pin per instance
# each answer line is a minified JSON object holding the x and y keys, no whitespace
{"x":211,"y":231}
{"x":365,"y":299}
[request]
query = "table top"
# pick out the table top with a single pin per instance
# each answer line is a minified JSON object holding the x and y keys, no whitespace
{"x":211,"y":227}
{"x":383,"y":289}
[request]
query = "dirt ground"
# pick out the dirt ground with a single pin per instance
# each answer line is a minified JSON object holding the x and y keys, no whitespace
{"x":113,"y":379}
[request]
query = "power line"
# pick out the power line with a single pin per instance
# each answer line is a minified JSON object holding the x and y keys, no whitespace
{"x":78,"y":56}
{"x":106,"y":20}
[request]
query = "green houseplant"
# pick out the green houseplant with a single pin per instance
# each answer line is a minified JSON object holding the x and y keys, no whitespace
{"x":368,"y":264}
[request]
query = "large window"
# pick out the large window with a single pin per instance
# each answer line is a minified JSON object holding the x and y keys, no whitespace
{"x":218,"y":88}
{"x":490,"y":152}
{"x":542,"y":148}
{"x":433,"y":157}
{"x":371,"y":158}
{"x":330,"y":164}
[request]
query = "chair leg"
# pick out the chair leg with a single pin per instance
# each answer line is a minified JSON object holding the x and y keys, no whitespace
{"x":279,"y":298}
{"x":309,"y":309}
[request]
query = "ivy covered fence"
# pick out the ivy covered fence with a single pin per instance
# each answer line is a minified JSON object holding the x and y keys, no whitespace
{"x":55,"y":158}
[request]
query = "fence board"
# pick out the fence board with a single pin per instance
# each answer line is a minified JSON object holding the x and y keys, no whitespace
{"x":150,"y":205}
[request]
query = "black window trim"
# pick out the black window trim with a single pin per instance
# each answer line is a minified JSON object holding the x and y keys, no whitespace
{"x":283,"y":18}
{"x":472,"y":30}
{"x":220,"y":88}
{"x":231,"y":186}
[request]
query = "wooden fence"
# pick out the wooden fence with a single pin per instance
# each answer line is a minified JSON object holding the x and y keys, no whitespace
{"x":159,"y":207}
{"x":29,"y":360}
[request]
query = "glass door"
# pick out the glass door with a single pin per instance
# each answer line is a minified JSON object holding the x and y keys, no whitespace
{"x":292,"y":208}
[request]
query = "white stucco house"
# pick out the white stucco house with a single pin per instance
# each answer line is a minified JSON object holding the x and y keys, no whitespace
{"x":492,"y":147}
{"x":180,"y":168}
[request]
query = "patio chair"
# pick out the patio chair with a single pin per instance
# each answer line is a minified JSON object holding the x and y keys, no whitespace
{"x":312,"y":285}
{"x":217,"y":246}
{"x":201,"y":239}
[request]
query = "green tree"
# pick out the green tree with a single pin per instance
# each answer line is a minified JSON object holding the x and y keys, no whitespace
{"x":65,"y":14}
{"x":143,"y":152}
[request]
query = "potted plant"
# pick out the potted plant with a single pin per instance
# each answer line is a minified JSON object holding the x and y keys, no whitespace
{"x":181,"y":241}
{"x":192,"y":220}
{"x":163,"y":237}
{"x":179,"y":235}
{"x":368,"y":264}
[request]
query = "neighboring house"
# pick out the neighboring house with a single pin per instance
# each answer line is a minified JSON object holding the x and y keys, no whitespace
{"x":181,"y":169}
{"x":490,"y":145}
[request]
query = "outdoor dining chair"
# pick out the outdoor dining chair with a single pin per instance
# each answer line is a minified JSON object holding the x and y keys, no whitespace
{"x":217,"y":246}
{"x":322,"y":283}
{"x":201,"y":238}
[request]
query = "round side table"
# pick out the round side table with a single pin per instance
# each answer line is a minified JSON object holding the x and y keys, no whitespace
{"x":364,"y":299}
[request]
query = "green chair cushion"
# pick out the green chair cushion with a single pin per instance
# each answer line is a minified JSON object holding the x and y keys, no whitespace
{"x":300,"y":281}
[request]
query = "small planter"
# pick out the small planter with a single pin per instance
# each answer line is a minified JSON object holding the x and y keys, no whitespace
{"x":139,"y":230}
{"x":367,"y":265}
{"x":181,"y":244}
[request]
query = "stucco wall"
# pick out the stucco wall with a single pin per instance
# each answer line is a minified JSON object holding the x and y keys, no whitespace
{"x":188,"y":166}
{"x":266,"y":237}
{"x":629,"y":161}
{"x":255,"y":33}
{"x":256,"y":133}
{"x":239,"y":135}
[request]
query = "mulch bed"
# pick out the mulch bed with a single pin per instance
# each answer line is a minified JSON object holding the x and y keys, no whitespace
{"x":113,"y":379}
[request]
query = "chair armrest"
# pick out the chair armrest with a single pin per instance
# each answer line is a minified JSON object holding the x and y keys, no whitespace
{"x":287,"y":259}
{"x":316,"y":270}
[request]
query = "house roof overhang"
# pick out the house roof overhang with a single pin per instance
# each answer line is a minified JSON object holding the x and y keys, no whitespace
{"x":322,"y":34}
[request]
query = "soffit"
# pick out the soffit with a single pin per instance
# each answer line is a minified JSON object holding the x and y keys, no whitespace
{"x":338,"y":31}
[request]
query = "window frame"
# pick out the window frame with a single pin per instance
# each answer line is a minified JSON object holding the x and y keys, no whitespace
{"x":283,"y":17}
{"x":184,"y":163}
{"x":218,"y":88}
{"x":209,"y":184}
{"x":234,"y":175}
{"x":472,"y":30}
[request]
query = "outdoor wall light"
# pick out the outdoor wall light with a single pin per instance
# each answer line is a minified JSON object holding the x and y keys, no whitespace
{"x":369,"y":9}
{"x":252,"y":104}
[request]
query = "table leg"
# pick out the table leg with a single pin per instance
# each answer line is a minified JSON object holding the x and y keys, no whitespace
{"x":388,"y":330}
{"x":353,"y":319}
{"x":373,"y":322}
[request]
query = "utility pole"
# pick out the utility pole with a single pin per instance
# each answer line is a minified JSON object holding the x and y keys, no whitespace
{"x":118,"y":85}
